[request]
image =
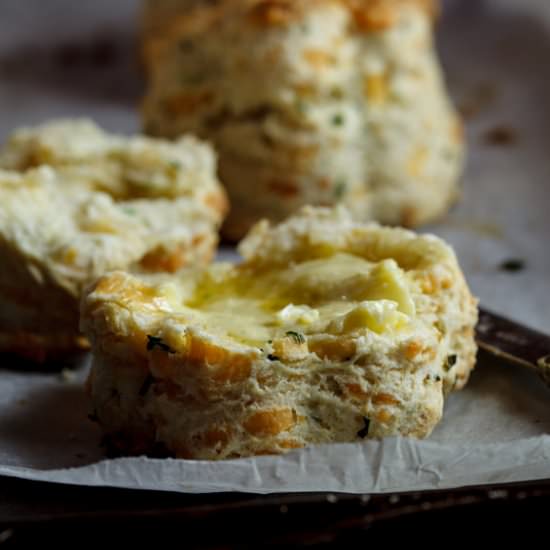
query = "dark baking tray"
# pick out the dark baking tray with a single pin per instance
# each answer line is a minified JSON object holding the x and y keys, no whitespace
{"x":33,"y":514}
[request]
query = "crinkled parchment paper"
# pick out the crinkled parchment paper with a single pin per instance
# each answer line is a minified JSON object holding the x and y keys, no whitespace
{"x":493,"y":431}
{"x":495,"y":53}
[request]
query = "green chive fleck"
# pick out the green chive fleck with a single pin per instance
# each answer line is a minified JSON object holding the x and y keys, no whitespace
{"x":186,"y":45}
{"x":364,"y":431}
{"x":296,"y":336}
{"x":338,"y":119}
{"x":450,"y":362}
{"x":155,"y":342}
{"x":196,"y":77}
{"x":340,"y":190}
{"x":149,"y":380}
{"x":301,"y":106}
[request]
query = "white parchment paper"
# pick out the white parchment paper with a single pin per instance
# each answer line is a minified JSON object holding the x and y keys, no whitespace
{"x":493,"y":431}
{"x":496,"y":430}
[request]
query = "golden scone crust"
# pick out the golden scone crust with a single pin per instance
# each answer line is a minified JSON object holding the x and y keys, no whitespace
{"x":78,"y":202}
{"x":329,"y":331}
{"x":310,"y":102}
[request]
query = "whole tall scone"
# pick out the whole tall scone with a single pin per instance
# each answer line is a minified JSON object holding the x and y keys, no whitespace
{"x":158,"y":14}
{"x":77,"y":202}
{"x":328,"y":331}
{"x":310,"y":102}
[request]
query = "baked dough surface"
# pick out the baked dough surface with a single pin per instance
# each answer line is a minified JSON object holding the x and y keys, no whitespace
{"x":318,"y":102}
{"x":328,"y":331}
{"x":78,"y":202}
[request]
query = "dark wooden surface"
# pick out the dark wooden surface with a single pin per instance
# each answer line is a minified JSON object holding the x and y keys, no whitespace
{"x":39,"y":514}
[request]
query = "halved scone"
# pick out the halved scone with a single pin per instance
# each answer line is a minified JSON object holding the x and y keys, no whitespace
{"x":320,"y":102}
{"x":328,"y":331}
{"x":96,"y":202}
{"x":125,"y":167}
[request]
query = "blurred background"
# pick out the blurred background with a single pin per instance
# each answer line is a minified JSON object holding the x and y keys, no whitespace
{"x":66,"y":58}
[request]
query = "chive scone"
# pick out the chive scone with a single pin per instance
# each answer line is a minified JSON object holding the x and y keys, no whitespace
{"x":310,"y":102}
{"x":158,"y":14}
{"x":94,"y":203}
{"x":329,"y":331}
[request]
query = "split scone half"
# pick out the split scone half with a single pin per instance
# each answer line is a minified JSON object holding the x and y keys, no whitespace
{"x":328,"y":331}
{"x":309,"y":102}
{"x":157,"y":16}
{"x":94,"y":203}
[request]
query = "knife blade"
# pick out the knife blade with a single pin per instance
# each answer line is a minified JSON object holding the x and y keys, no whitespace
{"x":514,"y":342}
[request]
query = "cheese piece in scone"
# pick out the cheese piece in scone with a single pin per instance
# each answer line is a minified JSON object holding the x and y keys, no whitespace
{"x":328,"y":331}
{"x":310,"y":102}
{"x":96,"y":203}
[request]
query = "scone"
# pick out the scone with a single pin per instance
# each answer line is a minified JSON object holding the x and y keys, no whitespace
{"x":95,"y":203}
{"x":329,"y":331}
{"x":310,"y":102}
{"x":158,"y":14}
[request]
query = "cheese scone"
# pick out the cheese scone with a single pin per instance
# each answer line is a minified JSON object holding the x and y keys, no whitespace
{"x":329,"y":331}
{"x":95,"y":203}
{"x":158,"y":14}
{"x":310,"y":102}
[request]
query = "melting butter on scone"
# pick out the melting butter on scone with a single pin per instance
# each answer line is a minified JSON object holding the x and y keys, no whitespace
{"x":320,"y":102}
{"x":78,"y":202}
{"x":328,"y":331}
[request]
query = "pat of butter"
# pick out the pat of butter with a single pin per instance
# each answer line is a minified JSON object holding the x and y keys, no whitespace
{"x":172,"y":294}
{"x":387,"y":282}
{"x":343,"y":292}
{"x":377,"y":315}
{"x":303,"y":315}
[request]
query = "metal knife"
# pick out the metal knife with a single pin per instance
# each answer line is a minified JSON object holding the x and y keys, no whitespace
{"x":514,"y":342}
